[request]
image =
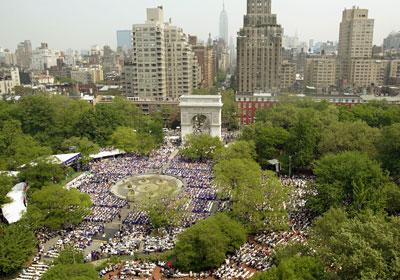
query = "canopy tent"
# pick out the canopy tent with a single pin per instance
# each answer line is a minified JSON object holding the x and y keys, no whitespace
{"x":106,"y":154}
{"x":65,"y":159}
{"x":276,"y":163}
{"x":13,"y":211}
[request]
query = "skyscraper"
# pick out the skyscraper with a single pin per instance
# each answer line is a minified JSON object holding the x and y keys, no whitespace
{"x":24,"y":54}
{"x":259,"y":49}
{"x":163,"y":64}
{"x":124,"y":39}
{"x":355,"y":44}
{"x":223,"y":25}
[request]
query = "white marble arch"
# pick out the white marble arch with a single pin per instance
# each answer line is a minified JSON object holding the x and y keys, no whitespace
{"x":207,"y":108}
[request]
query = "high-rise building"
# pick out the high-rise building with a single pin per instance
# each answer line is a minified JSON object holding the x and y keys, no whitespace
{"x":163,"y":64}
{"x":259,"y":49}
{"x":43,"y":58}
{"x":206,"y":60}
{"x":9,"y":78}
{"x":224,"y":26}
{"x":288,"y":75}
{"x":392,"y":41}
{"x":320,"y":72}
{"x":355,"y":43}
{"x":124,"y":39}
{"x":24,"y":54}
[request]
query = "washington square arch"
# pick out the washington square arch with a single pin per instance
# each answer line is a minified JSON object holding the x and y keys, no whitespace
{"x":200,"y":114}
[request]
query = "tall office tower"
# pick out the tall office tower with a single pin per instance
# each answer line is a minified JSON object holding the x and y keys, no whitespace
{"x":206,"y":60}
{"x":163,"y":65}
{"x":24,"y":54}
{"x":392,"y":41}
{"x":355,"y":43}
{"x":224,"y":26}
{"x":259,"y":49}
{"x":124,"y":40}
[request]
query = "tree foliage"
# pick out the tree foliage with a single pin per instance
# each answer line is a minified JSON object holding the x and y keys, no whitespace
{"x":348,"y":179}
{"x":42,"y":172}
{"x":55,"y":207}
{"x":205,"y":245}
{"x":200,"y":147}
{"x":71,"y":272}
{"x":389,"y":149}
{"x":295,"y":268}
{"x":17,"y":244}
{"x":6,"y":183}
{"x":363,"y":247}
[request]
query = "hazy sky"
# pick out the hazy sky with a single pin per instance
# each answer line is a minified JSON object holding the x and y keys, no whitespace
{"x":79,"y":24}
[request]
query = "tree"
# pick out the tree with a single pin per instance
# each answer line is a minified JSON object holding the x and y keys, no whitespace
{"x":165,"y":209}
{"x":229,"y":111}
{"x":231,"y":174}
{"x":302,"y":142}
{"x":81,"y":145}
{"x":236,"y":150}
{"x":6,"y":184}
{"x":389,"y":149}
{"x":348,"y":179}
{"x":71,"y":272}
{"x":69,"y":255}
{"x":55,"y":207}
{"x":17,"y":245}
{"x":18,"y":148}
{"x":348,"y":136}
{"x":295,"y":268}
{"x":269,"y":140}
{"x":126,"y":139}
{"x":200,"y":147}
{"x":42,"y":172}
{"x":204,"y":246}
{"x":364,"y":247}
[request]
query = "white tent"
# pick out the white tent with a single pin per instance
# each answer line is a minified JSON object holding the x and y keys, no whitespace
{"x":13,"y":211}
{"x":106,"y":154}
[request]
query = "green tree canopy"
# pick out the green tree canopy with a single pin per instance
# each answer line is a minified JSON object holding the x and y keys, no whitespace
{"x":6,"y":183}
{"x":389,"y":149}
{"x":229,"y":110}
{"x":69,"y":255}
{"x":200,"y":147}
{"x":42,"y":172}
{"x":363,"y":247}
{"x":348,"y":136}
{"x":17,"y":245}
{"x":55,"y":207}
{"x":205,"y":245}
{"x":269,"y":140}
{"x":81,"y":145}
{"x":295,"y":268}
{"x":71,"y":272}
{"x":236,"y":150}
{"x":348,"y":179}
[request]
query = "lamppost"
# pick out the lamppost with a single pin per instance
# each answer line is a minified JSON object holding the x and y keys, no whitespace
{"x":290,"y":166}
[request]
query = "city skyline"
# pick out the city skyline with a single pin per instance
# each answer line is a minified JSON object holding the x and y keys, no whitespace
{"x":317,"y":20}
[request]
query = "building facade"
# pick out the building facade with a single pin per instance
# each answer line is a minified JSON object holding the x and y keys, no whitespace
{"x":355,"y":43}
{"x":259,"y":49}
{"x":288,"y":75}
{"x":163,"y":64}
{"x":87,"y":76}
{"x":43,"y":58}
{"x":320,"y":72}
{"x":24,"y":54}
{"x":206,"y":60}
{"x":392,"y":41}
{"x":9,"y":78}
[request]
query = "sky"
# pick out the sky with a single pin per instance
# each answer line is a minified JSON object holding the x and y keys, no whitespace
{"x":80,"y":24}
